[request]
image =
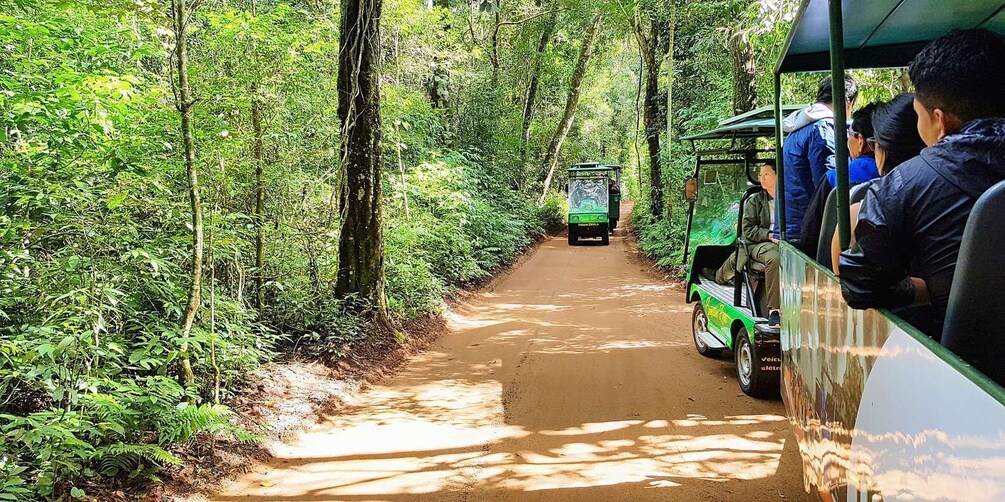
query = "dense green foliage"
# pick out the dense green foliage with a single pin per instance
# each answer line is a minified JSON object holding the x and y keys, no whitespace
{"x":95,"y":241}
{"x":96,"y":245}
{"x":704,"y":68}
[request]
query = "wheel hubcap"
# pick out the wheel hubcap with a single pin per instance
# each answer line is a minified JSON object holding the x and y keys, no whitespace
{"x":745,"y":363}
{"x":700,"y":326}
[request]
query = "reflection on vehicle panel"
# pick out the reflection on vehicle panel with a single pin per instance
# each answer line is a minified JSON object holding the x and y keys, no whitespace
{"x":881,"y":411}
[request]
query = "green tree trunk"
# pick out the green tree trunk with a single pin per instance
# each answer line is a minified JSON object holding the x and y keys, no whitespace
{"x":258,"y":151}
{"x":180,"y":16}
{"x":361,"y":242}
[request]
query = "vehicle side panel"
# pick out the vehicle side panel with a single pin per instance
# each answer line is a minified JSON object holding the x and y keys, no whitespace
{"x":722,"y":316}
{"x":881,"y":411}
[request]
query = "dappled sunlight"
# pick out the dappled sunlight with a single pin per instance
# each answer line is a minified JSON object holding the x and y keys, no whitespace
{"x":545,"y":391}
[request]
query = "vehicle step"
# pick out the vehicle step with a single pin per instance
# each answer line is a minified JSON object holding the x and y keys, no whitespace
{"x":711,"y":341}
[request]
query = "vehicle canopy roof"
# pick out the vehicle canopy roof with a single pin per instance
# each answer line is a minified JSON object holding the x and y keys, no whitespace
{"x":759,"y":123}
{"x":593,"y":167}
{"x":881,"y":33}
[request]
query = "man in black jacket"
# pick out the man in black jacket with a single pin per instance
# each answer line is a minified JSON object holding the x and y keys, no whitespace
{"x":911,"y":222}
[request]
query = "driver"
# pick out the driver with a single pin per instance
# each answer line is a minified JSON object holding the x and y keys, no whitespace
{"x":758,"y":231}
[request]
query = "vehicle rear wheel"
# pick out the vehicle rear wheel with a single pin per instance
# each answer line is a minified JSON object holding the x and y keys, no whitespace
{"x":573,"y":239}
{"x":699,"y":323}
{"x":754,"y":382}
{"x":605,"y":237}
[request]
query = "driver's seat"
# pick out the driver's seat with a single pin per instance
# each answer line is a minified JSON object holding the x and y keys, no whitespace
{"x":750,"y":285}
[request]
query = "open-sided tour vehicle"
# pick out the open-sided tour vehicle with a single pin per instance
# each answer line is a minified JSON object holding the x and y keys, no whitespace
{"x":730,"y":317}
{"x":881,"y":411}
{"x":594,"y":192}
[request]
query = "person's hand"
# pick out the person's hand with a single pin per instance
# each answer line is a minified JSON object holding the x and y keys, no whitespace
{"x":773,"y":239}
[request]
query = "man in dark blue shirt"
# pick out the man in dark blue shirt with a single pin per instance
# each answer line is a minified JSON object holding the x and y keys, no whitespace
{"x":911,"y":221}
{"x":808,"y":152}
{"x":862,"y":168}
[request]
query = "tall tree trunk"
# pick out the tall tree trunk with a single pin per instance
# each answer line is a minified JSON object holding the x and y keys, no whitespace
{"x":494,"y":54}
{"x":551,"y":158}
{"x":668,"y":110}
{"x":741,"y":55}
{"x":258,"y":151}
{"x":184,"y":103}
{"x":535,"y":77}
{"x":361,"y":242}
{"x":652,"y":46}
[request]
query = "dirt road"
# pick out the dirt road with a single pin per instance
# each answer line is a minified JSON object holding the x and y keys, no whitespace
{"x":575,"y":378}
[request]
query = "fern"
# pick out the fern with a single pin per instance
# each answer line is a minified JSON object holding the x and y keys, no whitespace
{"x":188,"y":420}
{"x":135,"y":459}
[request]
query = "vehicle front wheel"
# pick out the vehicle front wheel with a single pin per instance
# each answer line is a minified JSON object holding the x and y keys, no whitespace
{"x":699,"y":324}
{"x":572,"y":238}
{"x":754,"y":381}
{"x":605,"y":237}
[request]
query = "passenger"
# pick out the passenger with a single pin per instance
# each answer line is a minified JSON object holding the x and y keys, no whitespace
{"x":862,"y":168}
{"x":911,"y":222}
{"x":894,"y":140}
{"x":808,"y":152}
{"x":758,"y":231}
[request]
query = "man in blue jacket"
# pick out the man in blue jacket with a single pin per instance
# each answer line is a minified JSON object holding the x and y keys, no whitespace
{"x":911,"y":221}
{"x":808,"y":153}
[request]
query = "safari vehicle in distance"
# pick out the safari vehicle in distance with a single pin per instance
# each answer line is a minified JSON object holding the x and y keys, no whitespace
{"x":730,"y":317}
{"x":594,"y":192}
{"x":880,"y":410}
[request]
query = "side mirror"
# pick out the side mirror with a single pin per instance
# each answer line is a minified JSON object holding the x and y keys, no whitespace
{"x":691,"y":189}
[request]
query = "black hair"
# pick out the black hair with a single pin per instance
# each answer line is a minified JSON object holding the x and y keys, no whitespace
{"x":895,"y":128}
{"x":825,"y":91}
{"x":771,"y":164}
{"x":963,"y":73}
{"x":861,"y":120}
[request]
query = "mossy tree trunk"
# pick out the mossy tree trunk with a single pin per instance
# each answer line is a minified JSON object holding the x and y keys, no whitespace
{"x":183,"y":100}
{"x":361,"y":243}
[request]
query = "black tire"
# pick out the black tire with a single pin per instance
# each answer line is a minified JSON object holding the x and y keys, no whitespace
{"x":573,"y":239}
{"x":699,"y":321}
{"x":605,"y":237}
{"x":754,"y":382}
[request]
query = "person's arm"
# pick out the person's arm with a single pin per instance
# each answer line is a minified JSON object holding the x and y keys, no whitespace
{"x":753,"y":232}
{"x":818,"y":152}
{"x":874,"y":270}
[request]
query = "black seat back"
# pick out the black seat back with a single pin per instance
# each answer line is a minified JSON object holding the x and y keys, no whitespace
{"x":830,"y":221}
{"x":977,"y":300}
{"x":858,"y":192}
{"x":827,"y":226}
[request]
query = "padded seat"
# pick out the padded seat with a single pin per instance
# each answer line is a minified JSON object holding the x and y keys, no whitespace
{"x":977,"y":299}
{"x":830,"y":220}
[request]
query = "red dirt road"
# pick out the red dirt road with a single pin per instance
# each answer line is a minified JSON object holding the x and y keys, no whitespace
{"x":575,"y":378}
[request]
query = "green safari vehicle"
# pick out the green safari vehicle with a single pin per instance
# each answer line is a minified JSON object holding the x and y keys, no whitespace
{"x":730,"y":317}
{"x":594,"y":192}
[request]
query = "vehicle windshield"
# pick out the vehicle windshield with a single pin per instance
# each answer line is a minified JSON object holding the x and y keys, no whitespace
{"x":717,"y":207}
{"x":588,"y":195}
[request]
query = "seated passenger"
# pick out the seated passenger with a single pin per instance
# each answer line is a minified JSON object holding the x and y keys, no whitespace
{"x":894,"y":140}
{"x":758,"y":231}
{"x":911,"y":222}
{"x":862,"y":168}
{"x":808,"y":152}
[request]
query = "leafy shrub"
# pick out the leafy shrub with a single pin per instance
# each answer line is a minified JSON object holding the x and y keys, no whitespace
{"x":661,"y":239}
